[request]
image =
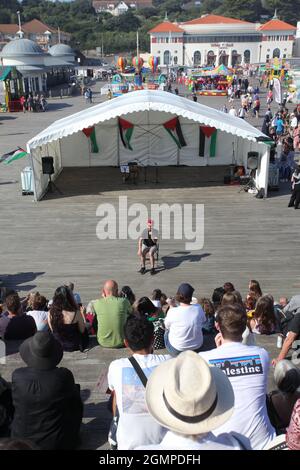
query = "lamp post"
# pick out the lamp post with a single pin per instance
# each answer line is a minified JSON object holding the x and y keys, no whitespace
{"x":259,"y":58}
{"x":20,"y":32}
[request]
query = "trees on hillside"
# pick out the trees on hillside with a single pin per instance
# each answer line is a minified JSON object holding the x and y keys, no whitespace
{"x":88,"y":27}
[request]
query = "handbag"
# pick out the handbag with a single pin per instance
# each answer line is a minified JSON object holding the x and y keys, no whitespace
{"x":159,"y":334}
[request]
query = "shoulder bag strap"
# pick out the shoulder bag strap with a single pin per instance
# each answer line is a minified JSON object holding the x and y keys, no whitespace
{"x":138,"y":370}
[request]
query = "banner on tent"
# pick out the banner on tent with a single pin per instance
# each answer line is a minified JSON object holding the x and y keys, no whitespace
{"x":90,"y":133}
{"x":207,"y":138}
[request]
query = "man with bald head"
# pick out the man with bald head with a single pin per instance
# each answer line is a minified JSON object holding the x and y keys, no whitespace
{"x":111,"y":312}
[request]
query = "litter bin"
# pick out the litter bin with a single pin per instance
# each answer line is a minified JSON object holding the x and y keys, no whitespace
{"x":27,"y":181}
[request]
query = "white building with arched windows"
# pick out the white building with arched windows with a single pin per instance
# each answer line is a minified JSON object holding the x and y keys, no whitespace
{"x":214,"y":39}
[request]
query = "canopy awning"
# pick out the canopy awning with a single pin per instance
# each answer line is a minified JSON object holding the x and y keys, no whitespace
{"x":221,"y":70}
{"x":4,"y":73}
{"x":142,"y":102}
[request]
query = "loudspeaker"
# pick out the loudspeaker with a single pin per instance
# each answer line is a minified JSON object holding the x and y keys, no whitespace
{"x":47,"y":165}
{"x":252,"y":160}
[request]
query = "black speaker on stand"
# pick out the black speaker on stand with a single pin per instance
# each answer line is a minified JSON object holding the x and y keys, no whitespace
{"x":252,"y":165}
{"x":48,"y":169}
{"x":252,"y":160}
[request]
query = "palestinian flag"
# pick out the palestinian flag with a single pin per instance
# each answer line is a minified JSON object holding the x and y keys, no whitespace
{"x":173,"y":127}
{"x":13,"y":155}
{"x":207,"y":136}
{"x":126,"y":131}
{"x":91,"y":134}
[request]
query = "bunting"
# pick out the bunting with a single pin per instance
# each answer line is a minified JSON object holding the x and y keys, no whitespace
{"x":173,"y":127}
{"x":90,"y":133}
{"x":206,"y":133}
{"x":126,"y":131}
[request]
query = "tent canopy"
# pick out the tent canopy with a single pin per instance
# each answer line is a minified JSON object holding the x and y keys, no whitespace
{"x":221,"y":70}
{"x":142,"y":102}
{"x":210,"y":137}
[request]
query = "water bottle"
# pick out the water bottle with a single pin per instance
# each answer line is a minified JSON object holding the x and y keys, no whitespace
{"x":279,"y":341}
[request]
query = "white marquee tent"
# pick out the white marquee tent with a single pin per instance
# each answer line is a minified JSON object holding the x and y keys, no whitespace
{"x":151,"y":144}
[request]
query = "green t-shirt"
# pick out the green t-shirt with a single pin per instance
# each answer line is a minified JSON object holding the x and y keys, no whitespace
{"x":111,"y":314}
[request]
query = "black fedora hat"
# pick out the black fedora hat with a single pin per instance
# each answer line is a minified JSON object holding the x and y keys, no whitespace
{"x":41,"y":351}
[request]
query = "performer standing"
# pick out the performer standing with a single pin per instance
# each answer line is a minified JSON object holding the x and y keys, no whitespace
{"x":295,"y":197}
{"x":148,"y":244}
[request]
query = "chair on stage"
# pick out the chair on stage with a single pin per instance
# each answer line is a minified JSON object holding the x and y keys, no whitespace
{"x":147,"y":258}
{"x":130,"y":172}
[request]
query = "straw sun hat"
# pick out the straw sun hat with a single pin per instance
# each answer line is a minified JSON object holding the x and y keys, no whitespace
{"x":187,"y":396}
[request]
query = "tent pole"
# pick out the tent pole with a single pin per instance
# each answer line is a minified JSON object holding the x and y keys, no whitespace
{"x":178,"y":156}
{"x":33,"y":172}
{"x":60,"y":155}
{"x":118,"y":145}
{"x":90,"y":154}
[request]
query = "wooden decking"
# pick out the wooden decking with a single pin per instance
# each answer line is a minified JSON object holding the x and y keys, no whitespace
{"x":54,"y":241}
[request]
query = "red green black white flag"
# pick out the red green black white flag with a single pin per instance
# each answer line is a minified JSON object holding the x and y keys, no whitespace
{"x":207,"y":136}
{"x":126,"y":131}
{"x":10,"y":157}
{"x":90,"y":132}
{"x":173,"y":127}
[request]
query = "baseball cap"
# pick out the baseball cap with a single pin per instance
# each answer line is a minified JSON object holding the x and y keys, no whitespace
{"x":186,"y":290}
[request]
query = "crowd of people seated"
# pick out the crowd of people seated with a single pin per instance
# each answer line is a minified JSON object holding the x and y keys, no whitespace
{"x":207,"y":390}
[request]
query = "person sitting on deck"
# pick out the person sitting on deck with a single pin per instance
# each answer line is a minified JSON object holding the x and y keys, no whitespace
{"x":191,"y":400}
{"x":48,"y":407}
{"x":111,"y":313}
{"x":148,"y":244}
{"x":247,"y":369}
{"x":184,"y":323}
{"x":135,"y":425}
{"x":15,"y":324}
{"x":280,"y":403}
{"x":66,"y":320}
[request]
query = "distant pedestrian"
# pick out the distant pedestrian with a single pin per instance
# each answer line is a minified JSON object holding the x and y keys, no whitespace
{"x":30,"y":102}
{"x":256,"y":107}
{"x":241,"y":113}
{"x":232,"y":111}
{"x":224,"y":109}
{"x":23,"y":103}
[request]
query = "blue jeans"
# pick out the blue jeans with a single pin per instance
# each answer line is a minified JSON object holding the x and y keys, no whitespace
{"x":173,"y":351}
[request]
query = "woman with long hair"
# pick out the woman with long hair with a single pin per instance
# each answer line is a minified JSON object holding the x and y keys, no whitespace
{"x":127,"y":293}
{"x":264,"y":319}
{"x":65,"y":320}
{"x":156,"y":298}
{"x":254,"y":286}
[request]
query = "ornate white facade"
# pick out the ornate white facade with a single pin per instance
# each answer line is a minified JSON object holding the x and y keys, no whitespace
{"x":214,"y":39}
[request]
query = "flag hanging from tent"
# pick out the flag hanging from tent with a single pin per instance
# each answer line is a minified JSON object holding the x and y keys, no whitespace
{"x":206,"y":133}
{"x":173,"y":127}
{"x":13,"y":155}
{"x":90,"y":132}
{"x":126,"y":131}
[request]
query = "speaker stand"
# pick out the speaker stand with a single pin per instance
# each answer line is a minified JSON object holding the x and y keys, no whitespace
{"x":52,"y":187}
